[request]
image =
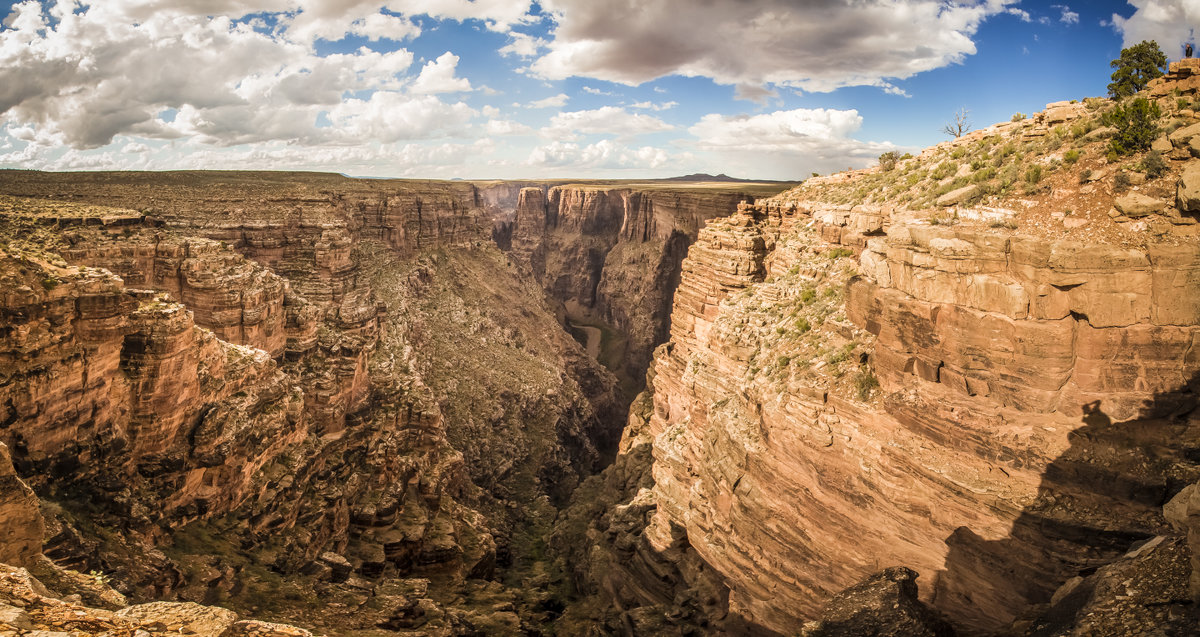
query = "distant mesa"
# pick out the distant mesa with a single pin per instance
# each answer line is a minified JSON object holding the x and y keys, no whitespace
{"x":721,"y":177}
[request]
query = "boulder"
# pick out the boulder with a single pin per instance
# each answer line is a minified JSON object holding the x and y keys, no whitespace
{"x":1182,"y":136}
{"x":1104,"y":132}
{"x":883,"y":605}
{"x":1162,"y":145}
{"x":1138,"y":205}
{"x":1187,"y":193}
{"x":1064,"y":113}
{"x":958,"y":196}
{"x":182,"y":617}
{"x":253,"y":628}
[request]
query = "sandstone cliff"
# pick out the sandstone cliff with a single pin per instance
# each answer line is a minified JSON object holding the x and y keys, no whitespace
{"x":997,"y":394}
{"x":269,"y":390}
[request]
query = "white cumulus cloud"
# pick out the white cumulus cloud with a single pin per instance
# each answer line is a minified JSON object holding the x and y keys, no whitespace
{"x":794,"y":141}
{"x":554,"y":101}
{"x":1169,"y":22}
{"x":80,"y":75}
{"x":438,"y":76}
{"x":817,"y":45}
{"x":607,"y":120}
{"x":602,"y":154}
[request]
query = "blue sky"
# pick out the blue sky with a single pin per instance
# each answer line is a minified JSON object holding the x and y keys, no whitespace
{"x":771,"y":89}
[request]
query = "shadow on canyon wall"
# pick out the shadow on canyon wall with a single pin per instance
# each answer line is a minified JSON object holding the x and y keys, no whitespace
{"x":1103,"y":494}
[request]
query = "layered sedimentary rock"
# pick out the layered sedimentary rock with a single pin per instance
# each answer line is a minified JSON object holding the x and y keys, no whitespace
{"x":122,"y":388}
{"x":216,"y":374}
{"x":21,"y":526}
{"x":997,"y":412}
{"x":613,"y":254}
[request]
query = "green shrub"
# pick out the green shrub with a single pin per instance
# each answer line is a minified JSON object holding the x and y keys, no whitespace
{"x":1122,"y":182}
{"x":1018,"y":117}
{"x":887,"y":161}
{"x":944,"y":170}
{"x":1085,"y":176}
{"x":1071,"y":156}
{"x":802,"y":325}
{"x":1153,"y":165}
{"x":1136,"y":124}
{"x":1082,"y":127}
{"x":808,"y":295}
{"x":838,"y":253}
{"x":983,"y":175}
{"x":1033,"y":174}
{"x":865,"y":383}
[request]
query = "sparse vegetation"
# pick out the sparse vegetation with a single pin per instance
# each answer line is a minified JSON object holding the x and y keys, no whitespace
{"x":1018,"y":117}
{"x":1153,"y":165}
{"x":1136,"y":123}
{"x":1070,"y":157}
{"x":865,"y":384}
{"x":1121,"y":182}
{"x":887,"y":161}
{"x":1033,"y":174}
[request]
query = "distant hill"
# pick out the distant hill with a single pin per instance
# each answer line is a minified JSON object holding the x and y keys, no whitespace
{"x":722,"y":177}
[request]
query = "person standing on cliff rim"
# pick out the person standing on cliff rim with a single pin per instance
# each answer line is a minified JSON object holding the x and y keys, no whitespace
{"x":1187,"y":50}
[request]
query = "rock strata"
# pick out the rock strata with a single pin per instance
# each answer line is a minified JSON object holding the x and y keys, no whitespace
{"x":613,"y":254}
{"x":1010,"y":369}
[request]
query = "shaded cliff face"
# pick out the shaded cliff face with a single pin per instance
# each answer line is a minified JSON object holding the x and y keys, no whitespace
{"x":998,"y":412}
{"x":611,"y":256}
{"x":298,"y":375}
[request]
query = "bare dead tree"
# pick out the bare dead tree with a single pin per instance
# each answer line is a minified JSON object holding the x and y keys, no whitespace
{"x":959,"y":126}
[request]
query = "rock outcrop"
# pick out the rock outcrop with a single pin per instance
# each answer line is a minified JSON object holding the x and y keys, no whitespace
{"x":884,"y":605}
{"x":956,"y":417}
{"x":21,"y":526}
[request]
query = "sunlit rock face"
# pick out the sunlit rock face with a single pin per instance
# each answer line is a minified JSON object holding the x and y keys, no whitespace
{"x":998,"y":413}
{"x":336,"y":380}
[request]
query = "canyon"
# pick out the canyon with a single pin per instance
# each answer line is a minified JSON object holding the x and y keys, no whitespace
{"x":213,"y":381}
{"x":904,"y":401}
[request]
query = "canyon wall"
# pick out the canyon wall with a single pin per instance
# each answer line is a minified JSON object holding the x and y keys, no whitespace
{"x":612,"y":254}
{"x":844,"y":391}
{"x":214,"y":378}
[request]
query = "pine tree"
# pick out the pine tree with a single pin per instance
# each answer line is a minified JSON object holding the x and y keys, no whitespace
{"x":1135,"y":68}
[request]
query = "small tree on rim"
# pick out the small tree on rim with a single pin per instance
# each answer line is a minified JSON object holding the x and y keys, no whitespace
{"x":959,"y":126}
{"x":1135,"y":68}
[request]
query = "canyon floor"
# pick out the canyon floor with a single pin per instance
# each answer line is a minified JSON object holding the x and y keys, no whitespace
{"x":954,"y":394}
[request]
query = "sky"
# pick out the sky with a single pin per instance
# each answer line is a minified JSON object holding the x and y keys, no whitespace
{"x":517,"y":89}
